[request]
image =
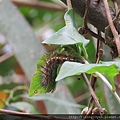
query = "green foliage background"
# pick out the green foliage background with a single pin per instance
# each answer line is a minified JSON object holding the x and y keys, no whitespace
{"x":44,"y":23}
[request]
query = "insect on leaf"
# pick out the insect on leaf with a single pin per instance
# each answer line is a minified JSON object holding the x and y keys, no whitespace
{"x":36,"y":86}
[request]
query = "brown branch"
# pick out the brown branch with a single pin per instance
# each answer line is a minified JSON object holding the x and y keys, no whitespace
{"x":93,"y":93}
{"x":113,"y":29}
{"x":69,"y":5}
{"x":99,"y":54}
{"x":43,"y":5}
{"x":97,"y":17}
{"x":31,"y":116}
{"x":92,"y":102}
{"x":115,"y":5}
{"x":86,"y":13}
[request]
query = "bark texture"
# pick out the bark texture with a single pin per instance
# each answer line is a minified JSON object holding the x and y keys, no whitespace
{"x":96,"y":16}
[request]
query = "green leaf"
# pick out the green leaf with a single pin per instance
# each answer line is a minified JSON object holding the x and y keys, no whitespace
{"x":117,"y":63}
{"x":68,"y":35}
{"x":74,"y":68}
{"x":69,"y":18}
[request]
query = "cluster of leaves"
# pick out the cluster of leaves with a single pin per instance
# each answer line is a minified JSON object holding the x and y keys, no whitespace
{"x":68,"y":36}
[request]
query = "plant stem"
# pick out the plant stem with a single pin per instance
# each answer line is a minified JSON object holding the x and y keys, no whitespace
{"x":39,"y":5}
{"x":69,"y":4}
{"x":92,"y":93}
{"x":105,"y":81}
{"x":113,"y":29}
{"x":108,"y":84}
{"x":11,"y":96}
{"x":31,"y":116}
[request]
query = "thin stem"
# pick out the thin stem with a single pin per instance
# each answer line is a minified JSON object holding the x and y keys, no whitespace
{"x":27,"y":115}
{"x":108,"y":84}
{"x":39,"y":5}
{"x":115,"y":5}
{"x":113,"y":29}
{"x":92,"y":93}
{"x":93,"y":79}
{"x":11,"y":96}
{"x":69,"y":4}
{"x":105,"y":81}
{"x":86,"y":13}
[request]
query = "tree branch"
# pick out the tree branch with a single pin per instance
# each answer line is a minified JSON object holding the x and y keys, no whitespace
{"x":106,"y":82}
{"x":113,"y":29}
{"x":31,"y":116}
{"x":97,"y":17}
{"x":39,"y":5}
{"x":93,"y":93}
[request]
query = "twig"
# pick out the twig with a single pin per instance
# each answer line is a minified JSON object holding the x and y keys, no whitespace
{"x":97,"y":18}
{"x":44,"y":5}
{"x":31,"y":116}
{"x":69,"y":4}
{"x":83,"y":30}
{"x":108,"y":27}
{"x":6,"y":56}
{"x":21,"y":114}
{"x":99,"y":54}
{"x":93,"y":93}
{"x":113,"y":29}
{"x":86,"y":13}
{"x":108,"y":84}
{"x":11,"y":95}
{"x":86,"y":29}
{"x":91,"y":108}
{"x":92,"y":78}
{"x":105,"y":81}
{"x":109,"y":42}
{"x":115,"y":5}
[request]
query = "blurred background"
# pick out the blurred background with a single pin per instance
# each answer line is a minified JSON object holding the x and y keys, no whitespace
{"x":24,"y":24}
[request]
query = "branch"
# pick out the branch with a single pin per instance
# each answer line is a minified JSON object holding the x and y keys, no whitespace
{"x":109,"y":85}
{"x":113,"y":29}
{"x":69,"y":5}
{"x":97,"y":17}
{"x":106,"y":82}
{"x":93,"y":93}
{"x":44,"y":5}
{"x":31,"y":116}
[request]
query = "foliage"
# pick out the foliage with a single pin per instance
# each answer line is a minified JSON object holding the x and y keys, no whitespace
{"x":65,"y":37}
{"x":69,"y":43}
